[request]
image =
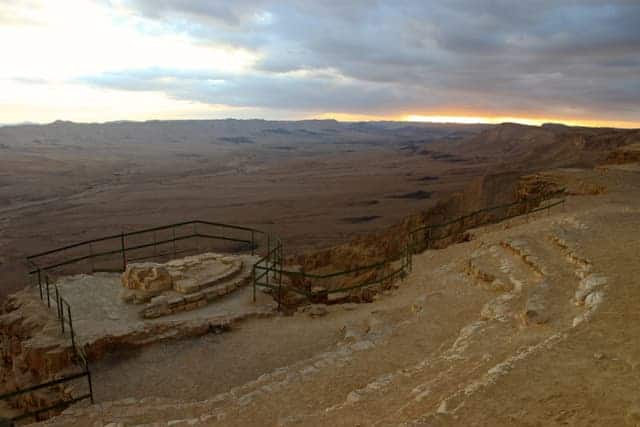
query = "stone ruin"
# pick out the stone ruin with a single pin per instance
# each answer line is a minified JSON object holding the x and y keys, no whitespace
{"x":182,"y":284}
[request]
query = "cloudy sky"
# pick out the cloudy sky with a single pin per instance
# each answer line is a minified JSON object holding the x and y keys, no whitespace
{"x":457,"y":60}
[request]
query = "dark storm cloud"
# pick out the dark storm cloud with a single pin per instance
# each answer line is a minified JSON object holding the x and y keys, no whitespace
{"x":499,"y":56}
{"x":318,"y":92}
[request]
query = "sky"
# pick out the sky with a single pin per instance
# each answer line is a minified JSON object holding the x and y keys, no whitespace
{"x":534,"y":61}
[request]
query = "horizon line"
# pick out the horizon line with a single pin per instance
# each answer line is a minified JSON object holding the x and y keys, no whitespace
{"x":414,"y":119}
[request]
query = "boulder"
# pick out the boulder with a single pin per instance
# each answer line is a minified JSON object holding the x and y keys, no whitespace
{"x":148,"y":277}
{"x":537,"y":308}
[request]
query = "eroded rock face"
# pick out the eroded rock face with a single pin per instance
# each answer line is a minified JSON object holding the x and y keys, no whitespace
{"x":627,"y":154}
{"x":28,"y":353}
{"x":182,"y":284}
{"x":148,"y":277}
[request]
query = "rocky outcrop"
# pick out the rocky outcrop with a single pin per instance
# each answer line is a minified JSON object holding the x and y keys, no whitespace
{"x":145,"y":280}
{"x":182,"y":284}
{"x":32,"y":351}
{"x":149,"y":277}
{"x":166,"y":305}
{"x":626,"y":154}
{"x":198,"y":272}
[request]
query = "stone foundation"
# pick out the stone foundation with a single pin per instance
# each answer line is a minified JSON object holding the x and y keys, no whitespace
{"x":182,"y":284}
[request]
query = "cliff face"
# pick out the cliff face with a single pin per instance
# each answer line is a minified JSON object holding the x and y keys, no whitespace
{"x":490,"y":190}
{"x":525,"y":150}
{"x":33,"y":351}
{"x":530,"y":148}
{"x":625,"y":154}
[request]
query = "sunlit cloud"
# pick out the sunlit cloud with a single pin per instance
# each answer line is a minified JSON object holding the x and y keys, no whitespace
{"x":50,"y":47}
{"x":421,"y":60}
{"x":84,"y":38}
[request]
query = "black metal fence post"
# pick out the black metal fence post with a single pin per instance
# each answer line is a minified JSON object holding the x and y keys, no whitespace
{"x":73,"y":337}
{"x":253,"y":280}
{"x":57,"y":301}
{"x":279,"y":295}
{"x":124,"y":253}
{"x":46,"y":280}
{"x":62,"y":316}
{"x":40,"y":283}
{"x":88,"y":372}
{"x":280,"y":261}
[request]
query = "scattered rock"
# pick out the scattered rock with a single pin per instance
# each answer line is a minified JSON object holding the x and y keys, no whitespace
{"x":587,"y":286}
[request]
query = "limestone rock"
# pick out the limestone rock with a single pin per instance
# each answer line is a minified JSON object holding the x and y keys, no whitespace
{"x":135,"y":296}
{"x":148,"y":277}
{"x":186,"y":286}
{"x":587,"y":285}
{"x":537,"y":307}
{"x":535,"y":312}
{"x":499,"y":286}
{"x":159,"y":301}
{"x":127,"y":295}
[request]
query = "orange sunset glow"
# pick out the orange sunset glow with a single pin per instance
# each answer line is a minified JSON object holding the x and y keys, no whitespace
{"x":138,"y":60}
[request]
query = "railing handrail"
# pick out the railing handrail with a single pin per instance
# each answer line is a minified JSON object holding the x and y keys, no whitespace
{"x":266,"y":266}
{"x":328,"y":275}
{"x":491,"y":208}
{"x":142,"y":231}
{"x":60,"y":304}
{"x":131,"y":248}
{"x":29,"y":389}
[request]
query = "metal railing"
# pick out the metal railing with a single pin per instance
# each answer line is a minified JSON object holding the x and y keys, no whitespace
{"x":115,"y":251}
{"x":111,"y":253}
{"x":268,"y":271}
{"x":49,"y":291}
{"x":428,"y":236}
